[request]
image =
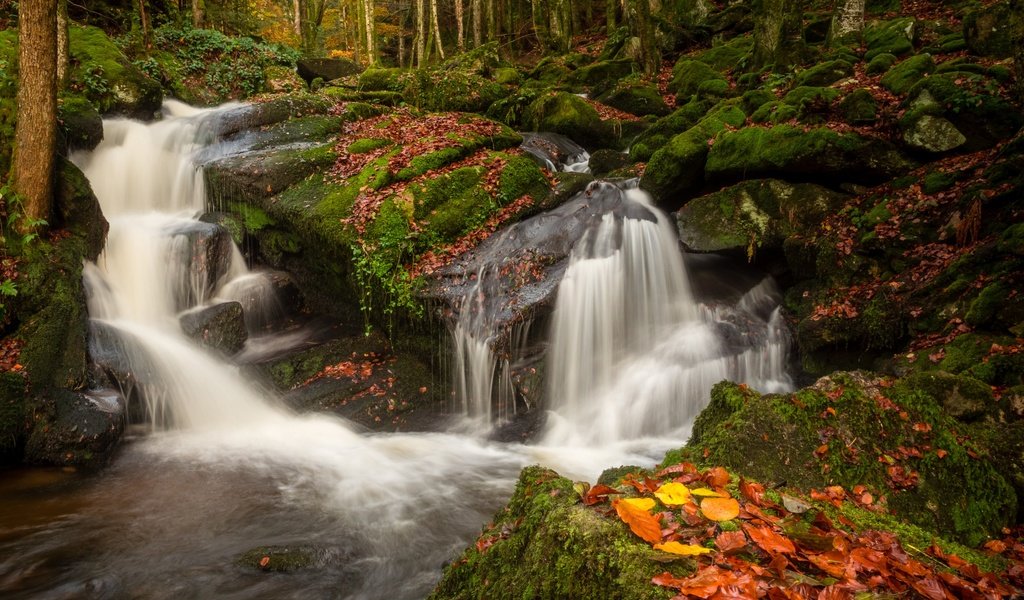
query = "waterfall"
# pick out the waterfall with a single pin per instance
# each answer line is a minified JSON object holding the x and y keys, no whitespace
{"x":632,"y":354}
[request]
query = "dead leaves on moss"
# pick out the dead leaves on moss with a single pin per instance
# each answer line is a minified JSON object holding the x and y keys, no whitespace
{"x":751,"y":547}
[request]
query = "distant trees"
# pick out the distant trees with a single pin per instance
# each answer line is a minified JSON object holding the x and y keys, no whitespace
{"x":36,"y":130}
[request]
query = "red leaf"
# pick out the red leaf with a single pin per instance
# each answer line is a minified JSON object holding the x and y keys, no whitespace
{"x":730,"y":541}
{"x":768,"y":540}
{"x":717,"y":477}
{"x":598,"y":493}
{"x":752,"y":491}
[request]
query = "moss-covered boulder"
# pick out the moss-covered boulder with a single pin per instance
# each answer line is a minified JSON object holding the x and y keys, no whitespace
{"x":451,"y":90}
{"x":858,"y":429}
{"x":789,"y":151}
{"x":894,"y":37}
{"x":754,"y":216}
{"x":988,"y":30}
{"x":859,"y":107}
{"x":881,"y":63}
{"x":974,"y":104}
{"x":80,"y":124}
{"x":688,"y":76}
{"x":667,"y":127}
{"x":825,"y":73}
{"x":547,"y":544}
{"x":904,"y":76}
{"x":601,"y":75}
{"x":326,"y":68}
{"x":676,"y":171}
{"x":637,"y":98}
{"x":571,"y":116}
{"x":108,"y":79}
{"x":932,"y":134}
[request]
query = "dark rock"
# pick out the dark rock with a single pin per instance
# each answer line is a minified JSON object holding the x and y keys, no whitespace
{"x":961,"y":397}
{"x":287,"y":559}
{"x":636,"y":98}
{"x":82,"y":428}
{"x":80,"y":124}
{"x":553,"y":151}
{"x":605,"y":161}
{"x":201,"y":257}
{"x":219,"y":327}
{"x":988,"y":31}
{"x":326,"y":68}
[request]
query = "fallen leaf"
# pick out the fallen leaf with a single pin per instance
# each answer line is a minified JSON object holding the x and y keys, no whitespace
{"x":673,"y":494}
{"x":641,"y":522}
{"x":730,"y":541}
{"x":264,"y":562}
{"x":720,"y":509}
{"x":795,"y":505}
{"x":640,"y":503}
{"x":717,"y":477}
{"x":706,"y":493}
{"x":768,"y":540}
{"x":682,"y":549}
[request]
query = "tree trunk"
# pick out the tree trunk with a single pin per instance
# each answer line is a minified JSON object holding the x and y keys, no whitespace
{"x":541,"y":20}
{"x":847,"y":21}
{"x":36,"y":130}
{"x":437,"y":28}
{"x":144,"y":23}
{"x":778,"y":34}
{"x":460,"y":32}
{"x":198,"y":14}
{"x":297,"y":19}
{"x":478,"y":21}
{"x":421,"y":31}
{"x":63,"y":44}
{"x":638,"y":13}
{"x":368,"y":24}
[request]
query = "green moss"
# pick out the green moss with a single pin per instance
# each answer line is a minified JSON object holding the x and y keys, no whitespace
{"x":774,"y":113}
{"x":521,"y":177}
{"x":825,"y":73}
{"x":107,"y":77}
{"x":570,"y":115}
{"x":367,"y":145}
{"x":637,"y":98}
{"x":687,"y":77}
{"x":254,"y":219}
{"x":904,"y":76}
{"x":384,"y":80}
{"x":881,"y":63}
{"x":451,"y":90}
{"x":727,"y":55}
{"x":665,"y":128}
{"x":507,"y":76}
{"x":889,"y":37}
{"x":546,"y":544}
{"x":859,"y":107}
{"x":432,"y":160}
{"x":773,"y":438}
{"x":602,"y":74}
{"x":987,"y":304}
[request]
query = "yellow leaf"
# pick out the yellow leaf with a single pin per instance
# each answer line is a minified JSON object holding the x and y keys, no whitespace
{"x":707,"y":493}
{"x":682,"y":549}
{"x":720,"y":509}
{"x":641,"y":522}
{"x":673,"y":494}
{"x":641,"y":503}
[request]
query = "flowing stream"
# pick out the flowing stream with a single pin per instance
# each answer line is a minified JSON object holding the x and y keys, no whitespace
{"x":224,"y":467}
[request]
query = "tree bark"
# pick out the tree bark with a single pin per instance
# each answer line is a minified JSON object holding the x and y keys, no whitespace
{"x":63,"y":44}
{"x":144,"y":23}
{"x":297,"y":19}
{"x":541,"y":21}
{"x":36,"y":130}
{"x":478,"y":21}
{"x":421,"y":31}
{"x":638,"y":13}
{"x":368,"y":24}
{"x":198,"y":13}
{"x":778,"y":34}
{"x":460,"y":32}
{"x":437,"y":28}
{"x":847,"y":21}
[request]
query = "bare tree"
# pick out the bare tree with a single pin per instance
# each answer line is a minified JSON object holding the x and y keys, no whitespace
{"x":36,"y":130}
{"x":437,"y":28}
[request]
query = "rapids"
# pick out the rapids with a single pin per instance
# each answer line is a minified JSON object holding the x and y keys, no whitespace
{"x":222,"y":466}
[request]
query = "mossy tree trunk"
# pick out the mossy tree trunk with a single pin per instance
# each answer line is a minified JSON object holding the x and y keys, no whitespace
{"x":478,"y":20}
{"x":611,"y":12}
{"x":847,"y":21}
{"x":199,"y":13}
{"x":778,"y":34}
{"x":638,"y":13}
{"x":36,"y":130}
{"x":421,"y":32}
{"x":460,"y":29}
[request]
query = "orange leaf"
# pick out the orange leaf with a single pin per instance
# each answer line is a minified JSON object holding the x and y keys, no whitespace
{"x":717,"y":477}
{"x":264,"y":562}
{"x":752,"y":491}
{"x":643,"y":523}
{"x":730,"y":541}
{"x":720,"y":509}
{"x":682,"y":549}
{"x":598,"y":493}
{"x":768,"y":540}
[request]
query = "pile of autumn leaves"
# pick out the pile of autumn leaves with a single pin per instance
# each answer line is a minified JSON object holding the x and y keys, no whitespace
{"x":752,"y":547}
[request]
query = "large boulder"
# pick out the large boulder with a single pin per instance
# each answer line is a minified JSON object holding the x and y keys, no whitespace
{"x":854,"y":429}
{"x":988,"y":30}
{"x":82,"y":428}
{"x":326,"y":68}
{"x":108,"y":78}
{"x":571,"y":116}
{"x":793,"y":152}
{"x":80,"y":124}
{"x":754,"y":215}
{"x":201,"y":257}
{"x":933,"y":134}
{"x":636,"y":98}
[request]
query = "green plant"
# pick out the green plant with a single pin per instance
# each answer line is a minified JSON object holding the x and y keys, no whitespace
{"x":96,"y":85}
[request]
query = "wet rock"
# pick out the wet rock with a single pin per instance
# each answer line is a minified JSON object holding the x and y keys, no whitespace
{"x":933,"y":134}
{"x":553,"y":151}
{"x":571,"y":116}
{"x":201,"y":255}
{"x":988,"y":30}
{"x":80,"y":123}
{"x":220,"y":327}
{"x":82,"y":428}
{"x":287,"y":559}
{"x":125,"y":89}
{"x":636,"y":98}
{"x":260,"y":114}
{"x":326,"y":68}
{"x":605,"y":161}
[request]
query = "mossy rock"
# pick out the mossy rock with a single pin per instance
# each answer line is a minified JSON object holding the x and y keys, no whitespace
{"x":382,"y":80}
{"x":796,"y":439}
{"x":677,"y":169}
{"x":288,"y":559}
{"x":569,"y":115}
{"x":508,"y":76}
{"x":80,"y":126}
{"x":602,"y":74}
{"x":636,"y":98}
{"x":988,"y":31}
{"x":971,"y":355}
{"x":279,"y":79}
{"x":665,"y":128}
{"x":810,"y":103}
{"x":447,"y":90}
{"x":825,"y":73}
{"x":904,"y":76}
{"x":881,"y":63}
{"x":971,"y":102}
{"x":727,"y":55}
{"x":932,"y":134}
{"x":687,"y":77}
{"x":785,"y":150}
{"x":754,"y":216}
{"x":859,"y":107}
{"x":605,"y":161}
{"x":894,"y":37}
{"x":775,"y":112}
{"x":547,"y":544}
{"x":109,"y":80}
